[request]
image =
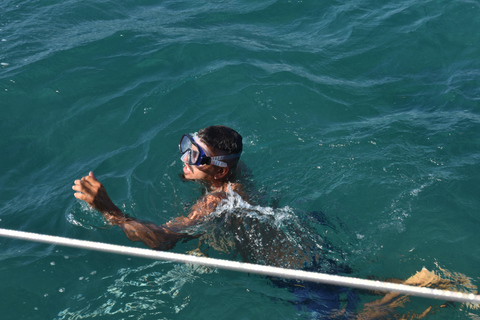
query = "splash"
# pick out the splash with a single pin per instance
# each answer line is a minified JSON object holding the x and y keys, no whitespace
{"x":268,"y":236}
{"x":234,"y":203}
{"x":82,"y":215}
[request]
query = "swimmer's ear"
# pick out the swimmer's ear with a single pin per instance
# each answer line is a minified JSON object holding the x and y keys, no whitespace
{"x":221,"y":173}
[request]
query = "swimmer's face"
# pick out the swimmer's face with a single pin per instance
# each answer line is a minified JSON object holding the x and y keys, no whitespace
{"x":204,"y":172}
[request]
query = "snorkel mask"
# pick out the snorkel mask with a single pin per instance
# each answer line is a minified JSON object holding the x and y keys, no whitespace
{"x":194,"y":155}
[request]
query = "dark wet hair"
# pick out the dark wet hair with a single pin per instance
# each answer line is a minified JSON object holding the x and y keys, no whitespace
{"x":224,"y":139}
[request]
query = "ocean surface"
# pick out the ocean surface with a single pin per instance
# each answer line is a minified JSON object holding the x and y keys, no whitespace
{"x":361,"y":125}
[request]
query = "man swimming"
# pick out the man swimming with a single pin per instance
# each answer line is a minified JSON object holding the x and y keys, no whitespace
{"x":211,"y":157}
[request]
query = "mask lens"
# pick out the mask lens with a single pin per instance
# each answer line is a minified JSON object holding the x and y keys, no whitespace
{"x":190,"y":151}
{"x":185,"y":144}
{"x":194,"y":154}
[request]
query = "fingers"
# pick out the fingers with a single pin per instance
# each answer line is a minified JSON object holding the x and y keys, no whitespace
{"x":92,"y":180}
{"x":87,"y":188}
{"x":82,"y":185}
{"x":90,"y":190}
{"x":81,"y":196}
{"x":88,"y":181}
{"x":90,"y":174}
{"x":83,"y":193}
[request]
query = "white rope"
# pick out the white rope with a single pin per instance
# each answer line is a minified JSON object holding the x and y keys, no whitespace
{"x":247,"y":267}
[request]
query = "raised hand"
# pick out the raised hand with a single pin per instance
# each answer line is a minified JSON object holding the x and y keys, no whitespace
{"x":90,"y":190}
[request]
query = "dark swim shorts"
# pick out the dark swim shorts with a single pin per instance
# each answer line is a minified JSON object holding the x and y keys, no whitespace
{"x":322,"y":301}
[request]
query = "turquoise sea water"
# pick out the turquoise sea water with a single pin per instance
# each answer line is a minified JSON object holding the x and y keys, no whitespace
{"x":368,"y":111}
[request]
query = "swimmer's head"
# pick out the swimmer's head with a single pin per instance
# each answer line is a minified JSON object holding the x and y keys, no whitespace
{"x":211,"y":155}
{"x":222,"y":141}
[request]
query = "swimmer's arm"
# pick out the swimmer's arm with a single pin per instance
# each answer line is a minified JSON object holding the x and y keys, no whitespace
{"x":163,"y":237}
{"x":156,"y":237}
